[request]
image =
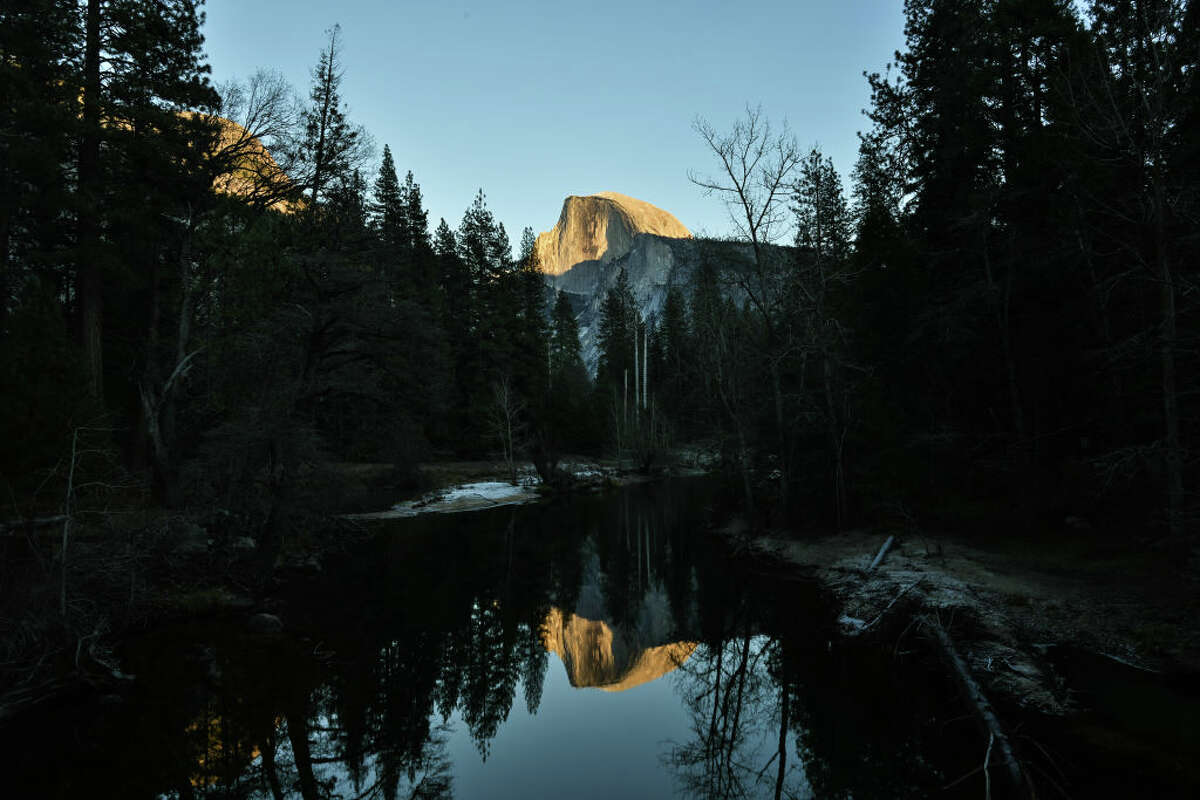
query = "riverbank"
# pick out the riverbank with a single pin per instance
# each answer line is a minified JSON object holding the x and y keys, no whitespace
{"x":372,"y":491}
{"x":1095,"y":642}
{"x":1127,"y":605}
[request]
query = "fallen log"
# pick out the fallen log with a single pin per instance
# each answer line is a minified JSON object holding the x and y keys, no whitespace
{"x":981,"y":709}
{"x":882,"y":552}
{"x":8,"y":527}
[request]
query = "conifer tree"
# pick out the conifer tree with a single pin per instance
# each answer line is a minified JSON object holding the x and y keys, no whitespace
{"x":39,"y":121}
{"x":477,"y":243}
{"x":570,"y":386}
{"x":675,"y":369}
{"x":618,"y":325}
{"x":416,"y":218}
{"x":565,"y":351}
{"x":416,"y":225}
{"x":388,"y":213}
{"x":331,"y":147}
{"x":532,"y":334}
{"x":822,"y":270}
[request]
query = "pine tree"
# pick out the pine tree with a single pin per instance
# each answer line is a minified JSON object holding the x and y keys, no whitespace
{"x":453,"y":275}
{"x":527,"y":246}
{"x":388,"y":213}
{"x":675,"y":371}
{"x":143,"y":68}
{"x":532,"y":333}
{"x":822,"y":220}
{"x":822,"y":270}
{"x":565,"y":350}
{"x":38,"y":122}
{"x":416,"y":225}
{"x":477,"y":243}
{"x":331,"y":147}
{"x":566,"y":413}
{"x":618,"y":325}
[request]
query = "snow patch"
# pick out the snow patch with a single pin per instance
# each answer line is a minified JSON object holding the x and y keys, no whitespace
{"x":465,"y":497}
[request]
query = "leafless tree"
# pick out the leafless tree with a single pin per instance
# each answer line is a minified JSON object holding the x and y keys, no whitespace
{"x":506,"y":420}
{"x":255,"y":157}
{"x":757,"y":168}
{"x":755,"y":176}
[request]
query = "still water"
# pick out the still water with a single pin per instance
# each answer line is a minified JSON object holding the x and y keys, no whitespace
{"x":602,"y":646}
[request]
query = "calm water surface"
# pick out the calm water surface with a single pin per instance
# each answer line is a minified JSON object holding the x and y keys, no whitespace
{"x":598,"y":647}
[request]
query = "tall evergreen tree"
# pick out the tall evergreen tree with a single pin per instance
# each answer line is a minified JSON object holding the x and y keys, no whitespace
{"x":822,"y":271}
{"x":618,"y":325}
{"x":388,"y":213}
{"x":532,"y":343}
{"x":565,"y":349}
{"x":416,"y":218}
{"x":38,"y":123}
{"x":676,"y":372}
{"x":416,"y":225}
{"x":331,"y":147}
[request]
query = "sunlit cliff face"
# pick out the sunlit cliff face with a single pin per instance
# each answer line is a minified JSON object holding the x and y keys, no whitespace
{"x":254,"y":170}
{"x":601,"y":227}
{"x":597,"y":655}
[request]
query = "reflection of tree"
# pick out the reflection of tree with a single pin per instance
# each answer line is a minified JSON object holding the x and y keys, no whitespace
{"x":425,"y":624}
{"x":302,"y":754}
{"x":732,"y":699}
{"x":297,"y":730}
{"x":533,"y":669}
{"x":489,"y":674}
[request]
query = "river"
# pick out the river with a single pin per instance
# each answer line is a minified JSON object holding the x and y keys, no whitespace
{"x":598,"y":646}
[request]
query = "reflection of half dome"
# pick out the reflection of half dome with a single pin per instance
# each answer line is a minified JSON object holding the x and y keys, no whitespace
{"x":596,"y":655}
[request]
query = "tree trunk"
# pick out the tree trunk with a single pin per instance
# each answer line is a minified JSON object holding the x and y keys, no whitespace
{"x":783,"y":728}
{"x":637,"y":392}
{"x":268,"y":762}
{"x":1000,"y":309}
{"x":836,"y":446}
{"x":298,"y":734}
{"x":90,"y":285}
{"x":781,"y":430}
{"x":981,"y":709}
{"x":1174,"y":454}
{"x":62,"y":598}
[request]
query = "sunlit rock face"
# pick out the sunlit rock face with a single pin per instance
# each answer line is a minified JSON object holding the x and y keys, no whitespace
{"x":601,"y":227}
{"x":597,"y":236}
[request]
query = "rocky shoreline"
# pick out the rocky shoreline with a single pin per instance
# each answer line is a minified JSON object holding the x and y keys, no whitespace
{"x":1002,"y":615}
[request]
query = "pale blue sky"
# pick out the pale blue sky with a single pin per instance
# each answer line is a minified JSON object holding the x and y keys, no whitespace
{"x":533,"y":101}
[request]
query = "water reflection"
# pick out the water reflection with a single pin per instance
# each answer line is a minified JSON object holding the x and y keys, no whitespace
{"x":427,"y":668}
{"x":618,"y":655}
{"x":733,"y":702}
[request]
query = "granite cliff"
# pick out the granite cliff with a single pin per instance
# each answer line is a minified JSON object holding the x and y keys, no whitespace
{"x":598,"y":235}
{"x":601,"y":227}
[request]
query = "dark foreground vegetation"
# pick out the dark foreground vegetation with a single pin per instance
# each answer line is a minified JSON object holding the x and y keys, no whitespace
{"x":210,"y":295}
